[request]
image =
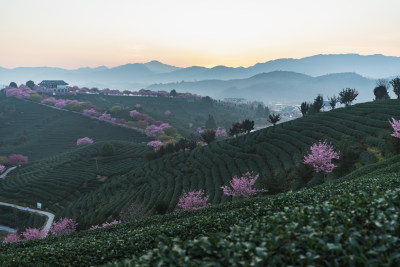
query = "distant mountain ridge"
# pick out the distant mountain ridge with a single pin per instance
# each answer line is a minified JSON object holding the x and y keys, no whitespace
{"x":277,"y":86}
{"x":135,"y":76}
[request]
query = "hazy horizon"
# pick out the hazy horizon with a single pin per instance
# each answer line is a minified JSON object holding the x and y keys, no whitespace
{"x":75,"y":34}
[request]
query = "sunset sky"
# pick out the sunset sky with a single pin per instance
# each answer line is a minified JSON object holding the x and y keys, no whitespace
{"x":79,"y":33}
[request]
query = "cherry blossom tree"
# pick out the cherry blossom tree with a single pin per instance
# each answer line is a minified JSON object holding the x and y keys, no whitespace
{"x":167,"y":112}
{"x":154,"y":131}
{"x":106,"y":224}
{"x":33,"y":233}
{"x":242,"y":186}
{"x":2,"y":168}
{"x":105,"y":117}
{"x":17,"y":159}
{"x":12,"y":238}
{"x":396,"y":128}
{"x":321,"y":157}
{"x":155,"y":145}
{"x":90,"y":112}
{"x":84,"y":141}
{"x":138,"y":106}
{"x":63,"y":226}
{"x":193,"y":200}
{"x":220,"y":133}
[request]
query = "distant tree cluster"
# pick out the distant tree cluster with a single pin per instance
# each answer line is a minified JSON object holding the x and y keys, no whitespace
{"x":241,"y":127}
{"x":171,"y":147}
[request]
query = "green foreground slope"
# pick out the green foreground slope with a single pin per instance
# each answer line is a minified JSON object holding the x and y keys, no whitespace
{"x":348,"y":222}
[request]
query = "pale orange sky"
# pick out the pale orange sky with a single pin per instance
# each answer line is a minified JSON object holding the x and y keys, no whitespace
{"x":79,"y":33}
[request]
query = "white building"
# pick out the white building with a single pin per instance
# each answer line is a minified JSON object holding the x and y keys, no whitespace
{"x":59,"y":86}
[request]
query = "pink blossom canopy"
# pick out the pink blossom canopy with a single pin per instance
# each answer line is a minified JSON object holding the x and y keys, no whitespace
{"x":321,"y":157}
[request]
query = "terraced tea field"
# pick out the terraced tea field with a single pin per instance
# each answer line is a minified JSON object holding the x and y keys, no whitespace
{"x":38,"y":131}
{"x":349,"y":221}
{"x":272,"y":152}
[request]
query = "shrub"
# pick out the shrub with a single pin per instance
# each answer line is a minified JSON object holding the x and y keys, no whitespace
{"x":161,"y":207}
{"x":2,"y":168}
{"x":107,"y":149}
{"x":35,"y":97}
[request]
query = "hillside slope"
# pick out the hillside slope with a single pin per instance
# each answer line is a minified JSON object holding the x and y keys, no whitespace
{"x":38,"y":131}
{"x":273,"y":152}
{"x":352,"y":221}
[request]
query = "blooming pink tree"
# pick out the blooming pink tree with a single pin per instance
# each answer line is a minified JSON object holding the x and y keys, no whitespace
{"x":106,"y":224}
{"x":84,"y":141}
{"x":155,"y":145}
{"x":2,"y":168}
{"x":12,"y":238}
{"x":105,"y":117}
{"x":167,"y":112}
{"x":242,"y":186}
{"x":220,"y":133}
{"x":154,"y":131}
{"x":90,"y":112}
{"x":63,"y":226}
{"x":17,"y":159}
{"x":396,"y":128}
{"x":138,"y":106}
{"x":33,"y":233}
{"x":321,"y":157}
{"x":193,"y":200}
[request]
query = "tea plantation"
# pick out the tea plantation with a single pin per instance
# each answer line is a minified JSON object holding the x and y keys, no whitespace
{"x":349,"y":222}
{"x":60,"y":180}
{"x":76,"y":189}
{"x":38,"y":131}
{"x":183,"y":111}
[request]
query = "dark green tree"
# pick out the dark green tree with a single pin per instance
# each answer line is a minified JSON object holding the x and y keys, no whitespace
{"x":304,"y":108}
{"x":207,"y":100}
{"x":262,"y":111}
{"x":274,"y":118}
{"x":381,"y":92}
{"x":208,"y":136}
{"x":347,"y":96}
{"x":173,"y":92}
{"x":333,"y":101}
{"x":13,"y":84}
{"x":247,"y":125}
{"x":210,"y":123}
{"x":30,"y":84}
{"x":235,"y":129}
{"x":396,"y":86}
{"x":107,"y":149}
{"x":318,"y":103}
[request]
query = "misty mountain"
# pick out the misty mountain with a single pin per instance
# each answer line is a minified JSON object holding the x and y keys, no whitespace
{"x":158,"y":67}
{"x":277,"y":86}
{"x":140,"y":75}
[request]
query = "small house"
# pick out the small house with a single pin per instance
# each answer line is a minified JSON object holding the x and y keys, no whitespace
{"x":58,"y":86}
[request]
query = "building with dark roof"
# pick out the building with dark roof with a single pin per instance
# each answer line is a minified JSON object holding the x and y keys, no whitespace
{"x":58,"y":86}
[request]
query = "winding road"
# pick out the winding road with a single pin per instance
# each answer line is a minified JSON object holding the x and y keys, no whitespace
{"x":50,"y":216}
{"x":7,"y":171}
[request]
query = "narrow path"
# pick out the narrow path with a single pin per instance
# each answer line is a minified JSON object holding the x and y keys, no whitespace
{"x":49,"y":215}
{"x":7,"y":171}
{"x":7,"y":229}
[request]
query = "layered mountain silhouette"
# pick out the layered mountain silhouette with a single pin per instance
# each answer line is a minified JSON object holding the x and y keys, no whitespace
{"x":315,"y":73}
